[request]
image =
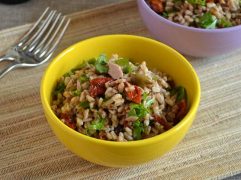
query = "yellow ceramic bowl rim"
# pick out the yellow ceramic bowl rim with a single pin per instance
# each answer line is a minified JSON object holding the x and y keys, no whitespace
{"x":143,"y":142}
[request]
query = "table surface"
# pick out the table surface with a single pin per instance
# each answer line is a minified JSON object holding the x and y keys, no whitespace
{"x":29,"y":149}
{"x":19,"y":14}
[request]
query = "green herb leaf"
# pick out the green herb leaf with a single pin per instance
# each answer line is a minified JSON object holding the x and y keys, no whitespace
{"x":76,"y":92}
{"x":92,"y":61}
{"x":199,"y":2}
{"x":224,"y":23}
{"x":151,"y":122}
{"x":138,"y":110}
{"x":181,"y":93}
{"x":165,"y":14}
{"x":155,"y":78}
{"x":71,"y":72}
{"x":125,"y":64}
{"x":83,"y":78}
{"x":138,"y":129}
{"x":60,"y":87}
{"x":144,"y":96}
{"x":208,"y":21}
{"x":97,"y":124}
{"x":101,"y":64}
{"x":85,"y":104}
{"x":149,"y":102}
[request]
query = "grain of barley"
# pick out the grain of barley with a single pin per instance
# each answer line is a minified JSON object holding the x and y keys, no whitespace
{"x":127,"y":136}
{"x":120,"y":137}
{"x":90,"y":99}
{"x":113,"y":134}
{"x":109,"y":136}
{"x":128,"y":130}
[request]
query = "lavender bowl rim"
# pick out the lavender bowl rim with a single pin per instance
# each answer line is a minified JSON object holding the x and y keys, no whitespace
{"x":188,"y":28}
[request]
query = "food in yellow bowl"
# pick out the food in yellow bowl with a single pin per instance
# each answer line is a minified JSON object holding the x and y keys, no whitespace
{"x":110,"y":153}
{"x":118,"y":100}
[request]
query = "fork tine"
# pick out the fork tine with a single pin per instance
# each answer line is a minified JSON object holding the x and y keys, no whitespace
{"x":38,"y":44}
{"x":25,"y":37}
{"x":40,"y":30}
{"x":54,"y":41}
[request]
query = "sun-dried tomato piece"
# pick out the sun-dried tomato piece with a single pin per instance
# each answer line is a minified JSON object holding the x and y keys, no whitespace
{"x":102,"y":135}
{"x":68,"y":121}
{"x":135,"y":95}
{"x":157,"y":5}
{"x":182,"y":110}
{"x":97,"y":86}
{"x":163,"y":122}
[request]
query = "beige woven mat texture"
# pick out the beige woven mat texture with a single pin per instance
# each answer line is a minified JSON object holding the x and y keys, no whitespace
{"x":19,"y":14}
{"x":29,"y":149}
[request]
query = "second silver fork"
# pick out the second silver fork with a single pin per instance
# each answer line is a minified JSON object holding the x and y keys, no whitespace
{"x":39,"y":43}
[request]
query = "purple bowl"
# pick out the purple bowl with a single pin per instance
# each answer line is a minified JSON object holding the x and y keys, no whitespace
{"x":191,"y":41}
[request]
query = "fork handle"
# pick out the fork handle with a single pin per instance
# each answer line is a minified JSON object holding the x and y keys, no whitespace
{"x":8,"y":68}
{"x":6,"y":58}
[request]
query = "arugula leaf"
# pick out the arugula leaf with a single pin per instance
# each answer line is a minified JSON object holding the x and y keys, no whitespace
{"x":76,"y":92}
{"x":101,"y":64}
{"x":69,"y":73}
{"x":138,"y":110}
{"x":60,"y":87}
{"x":83,"y":78}
{"x":224,"y":23}
{"x":138,"y":129}
{"x":208,"y":21}
{"x":199,"y":2}
{"x":97,"y":124}
{"x":125,"y":65}
{"x":165,"y":14}
{"x":85,"y":104}
{"x":181,"y":93}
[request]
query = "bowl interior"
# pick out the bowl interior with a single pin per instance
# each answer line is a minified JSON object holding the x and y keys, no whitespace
{"x":157,"y":56}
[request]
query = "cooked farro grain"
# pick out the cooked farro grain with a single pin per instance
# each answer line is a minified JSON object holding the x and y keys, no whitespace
{"x":133,"y":104}
{"x":209,"y":14}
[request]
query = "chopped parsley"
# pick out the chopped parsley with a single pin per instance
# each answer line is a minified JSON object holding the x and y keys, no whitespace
{"x":85,"y":104}
{"x":125,"y":64}
{"x":101,"y":64}
{"x":138,"y":110}
{"x":198,"y":2}
{"x":97,"y":124}
{"x":83,"y":78}
{"x":76,"y":92}
{"x":138,"y":129}
{"x":224,"y":23}
{"x":208,"y":21}
{"x":59,"y":88}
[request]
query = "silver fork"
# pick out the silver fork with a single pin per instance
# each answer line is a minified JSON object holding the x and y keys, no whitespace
{"x":38,"y":44}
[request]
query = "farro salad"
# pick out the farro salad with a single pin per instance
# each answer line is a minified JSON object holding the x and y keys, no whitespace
{"x":118,"y":100}
{"x":208,"y":14}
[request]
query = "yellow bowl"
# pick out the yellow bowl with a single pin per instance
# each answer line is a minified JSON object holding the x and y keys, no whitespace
{"x":158,"y":56}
